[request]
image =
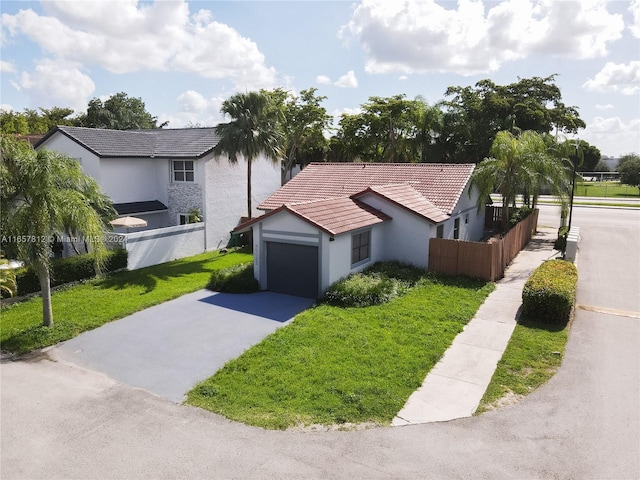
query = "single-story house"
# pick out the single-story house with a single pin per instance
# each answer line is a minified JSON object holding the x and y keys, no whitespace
{"x":162,"y":175}
{"x":334,"y":219}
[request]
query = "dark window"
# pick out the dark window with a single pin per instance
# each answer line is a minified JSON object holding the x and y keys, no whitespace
{"x":183,"y":171}
{"x":360,"y":247}
{"x":183,"y":219}
{"x":440,"y":231}
{"x":456,"y":229}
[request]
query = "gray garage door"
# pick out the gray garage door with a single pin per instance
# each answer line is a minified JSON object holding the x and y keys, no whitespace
{"x":292,"y":269}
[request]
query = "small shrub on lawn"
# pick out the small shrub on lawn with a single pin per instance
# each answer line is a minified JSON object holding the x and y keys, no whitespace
{"x":549,"y":293}
{"x":236,"y":279}
{"x":377,"y":284}
{"x":71,"y":269}
{"x":561,"y":242}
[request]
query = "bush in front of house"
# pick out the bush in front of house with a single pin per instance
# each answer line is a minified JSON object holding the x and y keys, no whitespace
{"x":237,"y":279}
{"x":377,"y":284}
{"x":68,"y":270}
{"x":549,"y":293}
{"x":519,"y":214}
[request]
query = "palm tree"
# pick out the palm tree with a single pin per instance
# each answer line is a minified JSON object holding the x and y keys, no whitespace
{"x":44,"y":193}
{"x":252,"y":132}
{"x":517,"y":165}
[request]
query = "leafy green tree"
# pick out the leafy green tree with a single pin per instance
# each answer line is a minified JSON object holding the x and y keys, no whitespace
{"x":625,"y":158}
{"x":253,"y":131}
{"x":303,"y":123}
{"x":42,"y":194}
{"x":630,"y":171}
{"x":474,"y":115}
{"x":521,"y":164}
{"x":427,"y":124}
{"x":385,"y":131}
{"x":33,"y":122}
{"x":118,"y":112}
{"x":585,"y":155}
{"x":8,"y":284}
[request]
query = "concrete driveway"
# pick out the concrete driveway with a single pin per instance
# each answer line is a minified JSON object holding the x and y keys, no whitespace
{"x":169,"y":348}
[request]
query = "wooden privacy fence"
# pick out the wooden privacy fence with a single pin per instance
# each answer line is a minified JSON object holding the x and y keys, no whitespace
{"x":482,"y":260}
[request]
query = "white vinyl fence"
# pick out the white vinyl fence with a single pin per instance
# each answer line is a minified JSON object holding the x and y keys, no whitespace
{"x":151,"y":247}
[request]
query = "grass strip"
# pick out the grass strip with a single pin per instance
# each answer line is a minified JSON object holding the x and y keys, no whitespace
{"x":92,"y":304}
{"x":532,"y":357}
{"x":336,"y":365}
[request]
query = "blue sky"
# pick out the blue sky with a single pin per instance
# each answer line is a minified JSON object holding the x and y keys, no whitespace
{"x":184,"y":58}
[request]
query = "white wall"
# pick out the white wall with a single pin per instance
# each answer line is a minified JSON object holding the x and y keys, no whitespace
{"x":59,"y":142}
{"x":226,"y":194}
{"x":135,"y":179}
{"x":406,"y":236}
{"x":152,"y":247}
{"x":467,"y":208}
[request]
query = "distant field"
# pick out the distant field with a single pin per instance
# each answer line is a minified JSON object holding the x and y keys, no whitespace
{"x":605,"y":189}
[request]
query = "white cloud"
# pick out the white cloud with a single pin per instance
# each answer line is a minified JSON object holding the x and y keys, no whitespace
{"x":5,"y":107}
{"x":615,"y":77}
{"x":402,"y":77}
{"x":634,"y":8}
{"x":613,"y":136}
{"x":195,"y":109}
{"x":424,"y":36}
{"x":348,"y":80}
{"x":128,"y":36}
{"x":7,"y":67}
{"x":55,"y":83}
{"x":608,"y":106}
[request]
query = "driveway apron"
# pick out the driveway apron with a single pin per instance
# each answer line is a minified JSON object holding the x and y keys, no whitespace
{"x":169,"y":348}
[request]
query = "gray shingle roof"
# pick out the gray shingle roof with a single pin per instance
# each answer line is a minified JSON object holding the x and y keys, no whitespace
{"x":164,"y":143}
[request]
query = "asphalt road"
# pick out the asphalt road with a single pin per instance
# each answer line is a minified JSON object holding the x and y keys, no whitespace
{"x":61,"y":421}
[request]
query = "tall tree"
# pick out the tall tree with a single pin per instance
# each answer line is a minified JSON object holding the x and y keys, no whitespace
{"x":42,"y":194}
{"x":474,"y":115}
{"x":253,"y":131}
{"x":630,"y":171}
{"x":303,"y":124}
{"x":33,"y":122}
{"x":518,"y":165}
{"x":584,"y":155}
{"x":119,"y":112}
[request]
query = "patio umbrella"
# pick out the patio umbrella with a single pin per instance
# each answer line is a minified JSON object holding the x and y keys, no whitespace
{"x":128,"y":222}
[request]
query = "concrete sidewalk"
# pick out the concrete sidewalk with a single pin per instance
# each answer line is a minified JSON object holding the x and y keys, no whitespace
{"x":454,"y":387}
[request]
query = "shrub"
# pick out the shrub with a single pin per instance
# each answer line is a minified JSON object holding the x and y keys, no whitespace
{"x":377,"y":284}
{"x":71,"y":269}
{"x":237,"y":279}
{"x":561,"y":242}
{"x":519,"y":215}
{"x":549,"y":293}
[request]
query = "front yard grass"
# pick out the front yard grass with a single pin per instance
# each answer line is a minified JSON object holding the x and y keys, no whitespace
{"x":605,"y":189}
{"x":335,"y":365}
{"x":87,"y":306}
{"x":532,"y":357}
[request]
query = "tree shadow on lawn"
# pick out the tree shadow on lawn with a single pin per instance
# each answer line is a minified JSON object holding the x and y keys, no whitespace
{"x":148,"y":277}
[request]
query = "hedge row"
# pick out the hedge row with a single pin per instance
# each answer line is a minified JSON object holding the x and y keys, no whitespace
{"x":549,"y":293}
{"x":67,"y":270}
{"x":236,"y":279}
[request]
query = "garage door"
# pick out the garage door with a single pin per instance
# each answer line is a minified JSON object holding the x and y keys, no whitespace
{"x":292,"y":269}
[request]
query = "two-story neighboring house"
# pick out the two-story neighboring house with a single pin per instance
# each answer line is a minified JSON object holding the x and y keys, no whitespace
{"x":162,"y":175}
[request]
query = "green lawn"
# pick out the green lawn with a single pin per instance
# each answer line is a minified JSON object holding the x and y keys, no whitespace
{"x":605,"y":189}
{"x":92,"y":304}
{"x":334,"y":365}
{"x":532,"y":356}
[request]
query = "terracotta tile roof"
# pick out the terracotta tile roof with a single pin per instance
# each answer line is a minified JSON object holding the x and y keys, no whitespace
{"x":334,"y":215}
{"x":405,"y":196}
{"x":161,"y":142}
{"x":441,"y":184}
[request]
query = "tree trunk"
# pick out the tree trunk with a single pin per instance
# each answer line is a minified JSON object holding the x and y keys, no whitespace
{"x":45,"y":289}
{"x":248,"y":187}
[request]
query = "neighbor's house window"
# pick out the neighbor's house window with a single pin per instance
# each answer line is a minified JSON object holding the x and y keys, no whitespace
{"x":456,"y":229}
{"x":183,"y":218}
{"x":182,"y":170}
{"x":440,"y":231}
{"x":360,"y":246}
{"x":466,"y":218}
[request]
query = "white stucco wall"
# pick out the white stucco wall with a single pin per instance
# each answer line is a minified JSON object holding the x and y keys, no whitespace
{"x":152,"y":247}
{"x":406,"y":236}
{"x":225,"y":194}
{"x":135,"y":179}
{"x":466,"y":208}
{"x":63,"y":144}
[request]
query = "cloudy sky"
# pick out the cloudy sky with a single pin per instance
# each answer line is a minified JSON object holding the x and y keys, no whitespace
{"x":183,"y":58}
